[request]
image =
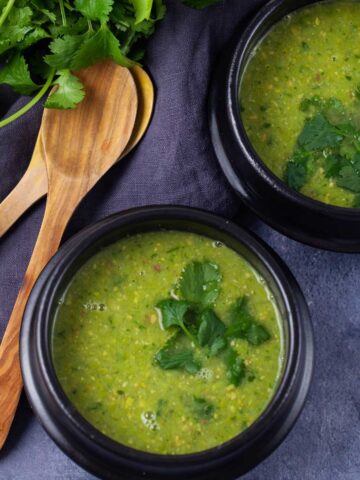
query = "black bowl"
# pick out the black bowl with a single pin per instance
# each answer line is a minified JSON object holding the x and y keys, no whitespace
{"x":111,"y":460}
{"x":288,"y":211}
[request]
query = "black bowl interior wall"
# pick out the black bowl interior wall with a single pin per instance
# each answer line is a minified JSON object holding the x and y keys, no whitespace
{"x":111,"y":460}
{"x":288,"y":211}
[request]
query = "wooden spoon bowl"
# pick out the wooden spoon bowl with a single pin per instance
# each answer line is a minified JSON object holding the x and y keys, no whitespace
{"x":34,"y":184}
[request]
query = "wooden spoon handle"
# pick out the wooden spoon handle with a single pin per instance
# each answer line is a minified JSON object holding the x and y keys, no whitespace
{"x":52,"y":228}
{"x":28,"y":191}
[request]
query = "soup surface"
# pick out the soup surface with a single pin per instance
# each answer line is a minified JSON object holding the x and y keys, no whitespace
{"x":168,"y":342}
{"x":300,"y":101}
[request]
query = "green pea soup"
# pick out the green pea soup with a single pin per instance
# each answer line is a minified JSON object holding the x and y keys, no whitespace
{"x":114,"y":335}
{"x":300,"y":101}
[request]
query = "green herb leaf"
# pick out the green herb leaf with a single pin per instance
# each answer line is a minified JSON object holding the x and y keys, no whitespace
{"x":312,"y":103}
{"x":95,"y":9}
{"x":70,"y":91}
{"x":334,"y":111}
{"x":296,"y":175}
{"x":219,"y":344}
{"x":63,"y":50}
{"x":347,"y":149}
{"x":333,"y":165}
{"x":177,"y":360}
{"x":16,"y":74}
{"x":173,"y":313}
{"x":200,"y":283}
{"x":160,"y":10}
{"x":318,"y":133}
{"x":32,"y":37}
{"x":257,"y":334}
{"x":349,"y":179}
{"x":243,"y":325}
{"x":240,"y":319}
{"x":332,"y":139}
{"x":202,"y":408}
{"x":97,"y":47}
{"x":236,"y":369}
{"x":211,"y":329}
{"x":47,"y":14}
{"x":142,"y":9}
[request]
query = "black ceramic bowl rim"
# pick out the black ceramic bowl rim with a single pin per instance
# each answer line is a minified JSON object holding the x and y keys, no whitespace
{"x":234,"y":74}
{"x":43,"y":388}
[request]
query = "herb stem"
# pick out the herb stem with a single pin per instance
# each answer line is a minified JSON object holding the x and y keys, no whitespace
{"x":63,"y":14}
{"x":32,"y":102}
{"x":6,"y":11}
{"x":126,"y":48}
{"x":189,"y":334}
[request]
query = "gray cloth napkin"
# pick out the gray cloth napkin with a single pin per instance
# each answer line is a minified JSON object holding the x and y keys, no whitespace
{"x":175,"y":164}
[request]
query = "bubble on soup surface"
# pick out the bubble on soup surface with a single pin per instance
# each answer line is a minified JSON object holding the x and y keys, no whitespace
{"x":205,"y":374}
{"x":217,"y":244}
{"x":148,"y":419}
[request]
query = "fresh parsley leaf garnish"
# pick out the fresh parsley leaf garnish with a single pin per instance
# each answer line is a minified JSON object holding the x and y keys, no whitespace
{"x":202,"y":408}
{"x":243,"y":324}
{"x":318,"y":133}
{"x":173,"y":313}
{"x":169,"y":359}
{"x":195,"y":319}
{"x":330,"y":139}
{"x":310,"y":103}
{"x":296,"y":175}
{"x":236,"y":369}
{"x":218,"y":345}
{"x":257,"y":334}
{"x":349,"y":178}
{"x":200,"y":282}
{"x":211,"y":330}
{"x":297,"y":169}
{"x":333,"y":165}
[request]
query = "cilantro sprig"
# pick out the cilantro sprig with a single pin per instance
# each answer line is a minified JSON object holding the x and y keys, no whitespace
{"x":193,"y":317}
{"x":200,"y":283}
{"x":43,"y":42}
{"x":244,"y":325}
{"x":330,"y":140}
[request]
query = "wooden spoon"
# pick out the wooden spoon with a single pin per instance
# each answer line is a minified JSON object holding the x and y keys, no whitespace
{"x":34,"y":184}
{"x":80,"y":146}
